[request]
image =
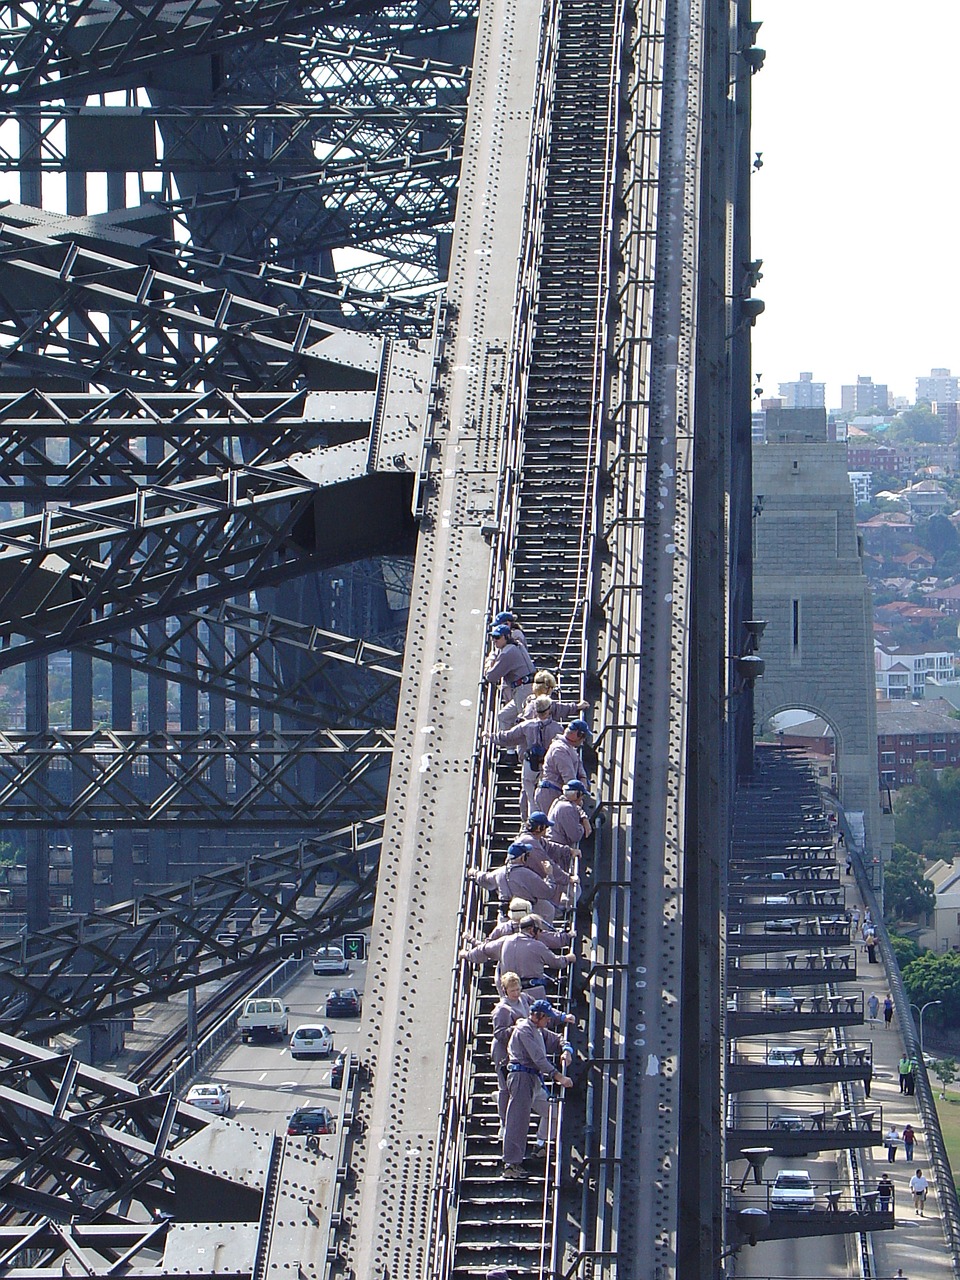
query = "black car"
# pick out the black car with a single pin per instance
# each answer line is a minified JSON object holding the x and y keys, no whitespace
{"x":343,"y":1003}
{"x":339,"y":1064}
{"x":311,"y":1120}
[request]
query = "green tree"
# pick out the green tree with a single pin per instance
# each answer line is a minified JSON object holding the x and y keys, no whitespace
{"x":945,"y":1069}
{"x":936,"y":977}
{"x":946,"y":846}
{"x":905,"y":950}
{"x":907,"y":893}
{"x":938,"y":536}
{"x":928,"y":808}
{"x":919,"y":424}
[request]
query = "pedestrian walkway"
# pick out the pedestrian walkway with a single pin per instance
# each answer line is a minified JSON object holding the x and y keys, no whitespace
{"x":917,"y":1245}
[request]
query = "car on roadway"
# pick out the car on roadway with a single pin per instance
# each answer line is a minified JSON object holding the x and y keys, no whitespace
{"x":343,"y":1002}
{"x":311,"y":1119}
{"x":792,"y":1189}
{"x":340,"y":1064}
{"x":778,"y":999}
{"x":214,"y":1098}
{"x":787,"y":1124}
{"x":785,"y":1055}
{"x":781,"y":926}
{"x":312,"y":1040}
{"x":330,"y":960}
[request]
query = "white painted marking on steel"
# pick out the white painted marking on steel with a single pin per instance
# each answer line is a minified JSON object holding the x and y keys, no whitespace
{"x":653,"y":1065}
{"x":671,"y":548}
{"x":465,"y":702}
{"x":429,"y":728}
{"x":424,"y":762}
{"x":444,"y":524}
{"x":668,"y":598}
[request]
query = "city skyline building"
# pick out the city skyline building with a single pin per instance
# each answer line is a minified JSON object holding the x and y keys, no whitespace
{"x":803,"y":394}
{"x":941,"y":386}
{"x":864,"y":396}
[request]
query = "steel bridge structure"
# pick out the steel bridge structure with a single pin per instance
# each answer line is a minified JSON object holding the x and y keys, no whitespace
{"x":327,"y":330}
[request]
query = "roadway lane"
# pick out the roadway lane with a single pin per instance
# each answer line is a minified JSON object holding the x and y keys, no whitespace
{"x":266,"y":1085}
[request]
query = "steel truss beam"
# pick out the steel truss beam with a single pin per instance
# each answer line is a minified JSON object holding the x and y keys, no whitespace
{"x":53,"y":1249}
{"x":345,"y":204}
{"x":291,"y":669}
{"x":49,"y":49}
{"x":224,"y":138}
{"x":141,"y":235}
{"x":260,"y":779}
{"x":60,"y":447}
{"x":75,"y":576}
{"x":110,"y":962}
{"x":149,"y":328}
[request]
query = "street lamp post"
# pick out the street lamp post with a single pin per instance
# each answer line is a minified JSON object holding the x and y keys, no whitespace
{"x":921,"y":1010}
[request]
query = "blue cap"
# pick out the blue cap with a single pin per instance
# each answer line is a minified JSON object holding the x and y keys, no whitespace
{"x":545,"y":1007}
{"x":501,"y":629}
{"x":539,"y":819}
{"x":518,"y":850}
{"x":575,"y":785}
{"x":579,"y":726}
{"x":504,"y":617}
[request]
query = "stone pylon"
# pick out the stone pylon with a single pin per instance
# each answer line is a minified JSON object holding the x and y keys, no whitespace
{"x":810,"y":587}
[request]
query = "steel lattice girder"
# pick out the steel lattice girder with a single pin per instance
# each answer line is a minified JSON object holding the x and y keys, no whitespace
{"x":110,"y":962}
{"x":259,"y":778}
{"x":141,"y":236}
{"x":177,"y":331}
{"x":83,"y":1146}
{"x":50,"y":49}
{"x":285,"y":137}
{"x":345,"y":204}
{"x":290,"y":668}
{"x":51,"y":1249}
{"x":78,"y":576}
{"x":58,"y":447}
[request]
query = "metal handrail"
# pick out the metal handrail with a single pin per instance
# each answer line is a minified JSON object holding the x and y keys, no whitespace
{"x":937,"y":1151}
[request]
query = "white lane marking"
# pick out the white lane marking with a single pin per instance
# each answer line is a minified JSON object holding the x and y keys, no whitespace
{"x":262,"y":1076}
{"x":288,"y":1084}
{"x":239,"y":1106}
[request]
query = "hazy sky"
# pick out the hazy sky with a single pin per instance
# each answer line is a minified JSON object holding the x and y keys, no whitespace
{"x":856,"y":210}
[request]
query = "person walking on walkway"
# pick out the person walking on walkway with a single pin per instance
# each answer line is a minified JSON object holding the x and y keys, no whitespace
{"x":919,"y":1186}
{"x":909,"y":1138}
{"x":885,"y":1192}
{"x":891,"y":1140}
{"x":887,"y":1013}
{"x":903,"y":1070}
{"x":873,"y":1006}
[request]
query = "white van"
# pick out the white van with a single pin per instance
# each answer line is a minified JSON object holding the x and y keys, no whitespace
{"x":263,"y":1018}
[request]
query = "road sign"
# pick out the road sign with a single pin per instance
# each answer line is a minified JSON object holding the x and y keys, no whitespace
{"x":354,"y":946}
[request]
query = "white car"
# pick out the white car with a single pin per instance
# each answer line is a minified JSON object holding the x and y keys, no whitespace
{"x":330,"y":960}
{"x":312,"y":1040}
{"x":785,"y":1055}
{"x":210,"y":1097}
{"x":778,"y":999}
{"x":793,"y":1190}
